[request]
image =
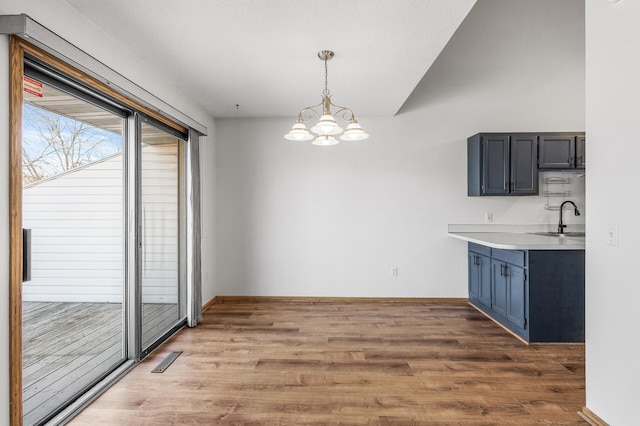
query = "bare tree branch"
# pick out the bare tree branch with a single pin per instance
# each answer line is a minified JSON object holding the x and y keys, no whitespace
{"x":59,"y":144}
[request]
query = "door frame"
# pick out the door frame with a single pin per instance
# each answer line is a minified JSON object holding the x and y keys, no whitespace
{"x":142,"y":350}
{"x":16,"y":73}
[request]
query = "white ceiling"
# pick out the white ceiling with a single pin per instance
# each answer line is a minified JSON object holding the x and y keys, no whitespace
{"x":261,"y":55}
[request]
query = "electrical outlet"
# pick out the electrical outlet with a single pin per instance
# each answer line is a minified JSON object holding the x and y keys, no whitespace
{"x":612,"y":235}
{"x":394,"y":272}
{"x":488,"y":217}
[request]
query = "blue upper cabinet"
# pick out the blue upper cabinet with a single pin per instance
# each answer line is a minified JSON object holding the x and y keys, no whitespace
{"x":502,"y":164}
{"x":524,"y":164}
{"x":508,"y":163}
{"x":581,"y":160}
{"x":562,"y":151}
{"x":495,"y":164}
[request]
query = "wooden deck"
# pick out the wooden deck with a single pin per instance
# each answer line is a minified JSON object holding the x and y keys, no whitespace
{"x":67,"y":346}
{"x":351,"y":362}
{"x":156,"y":319}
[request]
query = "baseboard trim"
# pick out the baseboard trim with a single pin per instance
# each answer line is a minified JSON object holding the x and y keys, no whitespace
{"x":209,"y":304}
{"x":591,"y":417}
{"x":257,"y":299}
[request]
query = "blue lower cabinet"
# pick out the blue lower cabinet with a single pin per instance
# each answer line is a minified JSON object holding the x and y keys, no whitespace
{"x":499,"y":287}
{"x":537,"y":294}
{"x":474,"y":276}
{"x":480,"y":279}
{"x":484,"y":297}
{"x":508,"y":297}
{"x":516,"y":297}
{"x":556,"y":295}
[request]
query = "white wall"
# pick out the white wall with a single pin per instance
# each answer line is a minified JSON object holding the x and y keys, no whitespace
{"x":299,"y":220}
{"x":208,"y":154}
{"x":613,"y":126}
{"x":61,"y":18}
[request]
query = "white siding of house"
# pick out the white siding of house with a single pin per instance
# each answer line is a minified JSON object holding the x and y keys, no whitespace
{"x":77,"y":232}
{"x":160,"y":224}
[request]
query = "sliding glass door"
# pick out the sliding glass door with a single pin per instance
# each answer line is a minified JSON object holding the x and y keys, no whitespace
{"x":162,"y":231}
{"x":73,"y":215}
{"x":103,"y":212}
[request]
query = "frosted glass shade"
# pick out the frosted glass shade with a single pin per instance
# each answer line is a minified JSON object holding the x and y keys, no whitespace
{"x":299,"y":132}
{"x":327,"y":126}
{"x":325,"y":141}
{"x":354,"y":133}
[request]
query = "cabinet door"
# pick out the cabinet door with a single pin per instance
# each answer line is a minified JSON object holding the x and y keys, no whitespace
{"x":581,"y":161}
{"x":474,"y":276}
{"x":516,"y":296}
{"x":484,"y":289}
{"x":524,"y":164}
{"x":499,"y":287}
{"x":557,"y":151}
{"x":480,"y":279}
{"x":495,"y":164}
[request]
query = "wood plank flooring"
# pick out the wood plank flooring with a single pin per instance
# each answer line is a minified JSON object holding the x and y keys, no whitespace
{"x":352,"y":362}
{"x":67,"y":346}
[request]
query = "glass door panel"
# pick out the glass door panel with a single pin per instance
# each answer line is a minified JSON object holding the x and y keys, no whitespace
{"x":162,"y":281}
{"x":73,"y":205}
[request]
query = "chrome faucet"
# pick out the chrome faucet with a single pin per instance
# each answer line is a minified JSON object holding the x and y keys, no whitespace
{"x":561,"y":226}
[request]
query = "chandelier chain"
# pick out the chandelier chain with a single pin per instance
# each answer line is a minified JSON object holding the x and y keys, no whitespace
{"x":326,"y":91}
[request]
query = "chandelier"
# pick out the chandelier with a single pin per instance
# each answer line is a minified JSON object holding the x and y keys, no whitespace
{"x":326,"y":127}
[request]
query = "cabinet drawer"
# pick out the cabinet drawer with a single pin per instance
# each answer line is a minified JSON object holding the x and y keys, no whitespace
{"x":480,"y":249}
{"x":515,"y":257}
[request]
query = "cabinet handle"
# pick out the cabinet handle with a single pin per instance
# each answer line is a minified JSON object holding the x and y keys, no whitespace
{"x":580,"y":160}
{"x":571,"y":160}
{"x":503,"y":270}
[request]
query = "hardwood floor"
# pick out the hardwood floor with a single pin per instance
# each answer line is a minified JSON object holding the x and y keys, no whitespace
{"x":348,"y":362}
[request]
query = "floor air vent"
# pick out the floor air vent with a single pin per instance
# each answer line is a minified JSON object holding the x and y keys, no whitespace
{"x":165,"y":363}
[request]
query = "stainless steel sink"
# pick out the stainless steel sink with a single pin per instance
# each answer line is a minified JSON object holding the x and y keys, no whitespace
{"x":566,"y":234}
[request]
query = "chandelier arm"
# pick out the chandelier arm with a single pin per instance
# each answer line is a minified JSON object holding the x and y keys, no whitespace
{"x":308,"y":109}
{"x":347,"y":114}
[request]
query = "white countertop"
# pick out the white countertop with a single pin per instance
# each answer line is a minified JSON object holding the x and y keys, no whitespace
{"x":516,"y":237}
{"x":520,"y":241}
